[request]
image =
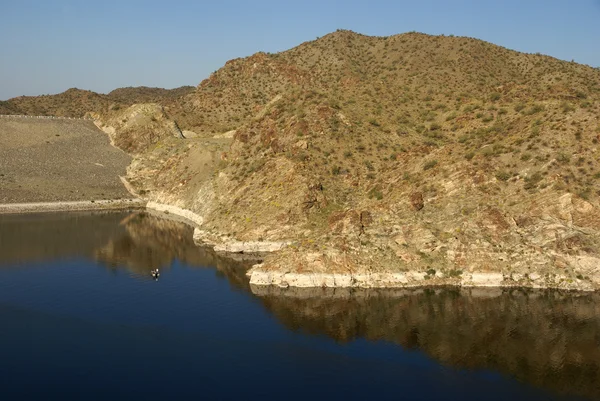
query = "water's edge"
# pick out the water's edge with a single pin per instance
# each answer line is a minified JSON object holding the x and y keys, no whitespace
{"x":282,"y":279}
{"x":67,"y":206}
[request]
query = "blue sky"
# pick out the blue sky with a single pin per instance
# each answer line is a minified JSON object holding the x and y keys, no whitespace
{"x":52,"y":45}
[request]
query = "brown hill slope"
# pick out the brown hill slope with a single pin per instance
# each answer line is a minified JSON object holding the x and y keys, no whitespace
{"x":361,"y":107}
{"x":367,"y":73}
{"x":71,"y":103}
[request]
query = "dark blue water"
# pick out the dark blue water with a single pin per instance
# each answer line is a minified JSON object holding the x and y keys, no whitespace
{"x":81,"y":318}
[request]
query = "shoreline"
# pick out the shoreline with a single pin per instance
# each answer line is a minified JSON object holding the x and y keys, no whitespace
{"x":293,"y":282}
{"x":66,"y":206}
{"x":306,"y":293}
{"x":283,"y":281}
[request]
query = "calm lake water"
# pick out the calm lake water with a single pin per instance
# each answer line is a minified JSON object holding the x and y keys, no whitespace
{"x":82,"y":318}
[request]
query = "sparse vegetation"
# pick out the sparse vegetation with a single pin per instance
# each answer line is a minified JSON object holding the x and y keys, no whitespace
{"x":430,"y":164}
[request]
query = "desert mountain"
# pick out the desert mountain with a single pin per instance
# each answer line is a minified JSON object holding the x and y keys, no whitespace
{"x":446,"y":159}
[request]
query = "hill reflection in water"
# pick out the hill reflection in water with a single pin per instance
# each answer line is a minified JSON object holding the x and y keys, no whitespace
{"x":545,"y":338}
{"x":136,"y":241}
{"x":548,"y":339}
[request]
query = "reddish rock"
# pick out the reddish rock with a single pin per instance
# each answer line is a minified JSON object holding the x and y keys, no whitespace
{"x":416,"y":200}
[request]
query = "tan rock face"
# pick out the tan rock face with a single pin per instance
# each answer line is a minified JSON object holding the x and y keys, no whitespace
{"x":301,"y":145}
{"x":139,"y":126}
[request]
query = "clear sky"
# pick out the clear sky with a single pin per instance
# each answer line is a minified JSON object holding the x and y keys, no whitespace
{"x":48,"y":46}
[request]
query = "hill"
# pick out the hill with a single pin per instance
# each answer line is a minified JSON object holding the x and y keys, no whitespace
{"x":144,"y":94}
{"x":77,"y":102}
{"x":449,"y":156}
{"x":402,"y":160}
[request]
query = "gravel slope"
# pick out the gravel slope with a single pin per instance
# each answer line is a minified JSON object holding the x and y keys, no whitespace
{"x":44,"y":160}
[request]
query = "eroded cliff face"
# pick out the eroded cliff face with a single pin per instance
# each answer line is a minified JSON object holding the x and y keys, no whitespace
{"x":138,"y":127}
{"x":550,"y":240}
{"x":374,"y":176}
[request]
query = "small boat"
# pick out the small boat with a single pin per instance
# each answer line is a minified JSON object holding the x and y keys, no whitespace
{"x":155,"y":274}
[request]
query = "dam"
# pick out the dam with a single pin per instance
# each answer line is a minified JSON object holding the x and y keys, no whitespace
{"x":46,"y":159}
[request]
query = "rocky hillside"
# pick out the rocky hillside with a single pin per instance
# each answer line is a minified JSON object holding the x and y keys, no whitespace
{"x":437,"y":156}
{"x":412,"y":159}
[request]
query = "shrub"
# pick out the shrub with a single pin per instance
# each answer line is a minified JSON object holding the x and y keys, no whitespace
{"x":584,"y":193}
{"x":563,"y":158}
{"x":495,"y":96}
{"x":375,"y":193}
{"x":533,"y":180}
{"x":536,"y":108}
{"x":525,"y":157}
{"x":451,"y":116}
{"x":566,"y":107}
{"x":430,"y":164}
{"x":502,"y":175}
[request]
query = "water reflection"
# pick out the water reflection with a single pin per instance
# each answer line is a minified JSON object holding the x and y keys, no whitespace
{"x":136,"y":241}
{"x":151,"y":243}
{"x":50,"y":236}
{"x":545,"y":338}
